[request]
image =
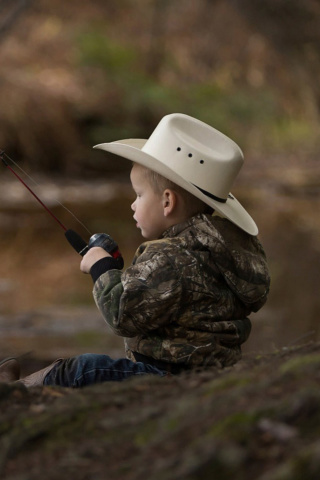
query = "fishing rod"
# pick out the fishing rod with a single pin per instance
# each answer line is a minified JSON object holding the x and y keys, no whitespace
{"x":76,"y":241}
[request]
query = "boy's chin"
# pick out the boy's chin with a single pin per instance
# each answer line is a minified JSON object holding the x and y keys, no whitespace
{"x":144,"y":235}
{"x":147,"y":236}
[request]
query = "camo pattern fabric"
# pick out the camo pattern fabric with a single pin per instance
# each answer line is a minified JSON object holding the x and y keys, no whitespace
{"x":186,"y":297}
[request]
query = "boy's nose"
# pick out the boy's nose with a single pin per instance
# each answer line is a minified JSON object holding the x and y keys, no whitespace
{"x":133,"y":206}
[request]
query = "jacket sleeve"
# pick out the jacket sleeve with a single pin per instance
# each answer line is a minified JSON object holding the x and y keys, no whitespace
{"x":145,"y":297}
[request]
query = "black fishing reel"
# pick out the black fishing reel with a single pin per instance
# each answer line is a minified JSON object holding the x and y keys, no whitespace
{"x":102,"y":240}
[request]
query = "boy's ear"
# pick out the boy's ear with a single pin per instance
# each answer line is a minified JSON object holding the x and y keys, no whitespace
{"x":169,"y":201}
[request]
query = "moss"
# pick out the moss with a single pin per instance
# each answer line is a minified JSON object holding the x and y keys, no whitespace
{"x":226,"y":383}
{"x":172,"y":424}
{"x":145,"y":433}
{"x":235,"y":426}
{"x":196,"y":426}
{"x":301,"y":364}
{"x":304,"y":465}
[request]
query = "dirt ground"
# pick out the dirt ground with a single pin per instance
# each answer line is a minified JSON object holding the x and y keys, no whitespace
{"x":257,"y":420}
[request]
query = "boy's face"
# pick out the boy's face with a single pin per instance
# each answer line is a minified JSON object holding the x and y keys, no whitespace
{"x":148,"y":205}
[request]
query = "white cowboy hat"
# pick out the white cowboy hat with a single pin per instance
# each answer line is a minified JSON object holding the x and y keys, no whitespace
{"x":195,"y":156}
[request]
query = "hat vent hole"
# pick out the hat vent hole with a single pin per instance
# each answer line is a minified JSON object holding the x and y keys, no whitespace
{"x":190,"y":155}
{"x":179,"y":149}
{"x":202,"y":162}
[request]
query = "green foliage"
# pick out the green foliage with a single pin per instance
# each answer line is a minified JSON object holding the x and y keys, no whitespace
{"x":289,"y":134}
{"x":254,"y":117}
{"x":233,"y":111}
{"x":112,"y":69}
{"x":97,"y":49}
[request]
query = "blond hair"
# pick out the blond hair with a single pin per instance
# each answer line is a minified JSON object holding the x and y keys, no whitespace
{"x":192,"y":204}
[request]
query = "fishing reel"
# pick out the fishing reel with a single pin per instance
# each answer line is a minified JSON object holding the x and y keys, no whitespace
{"x":102,"y":240}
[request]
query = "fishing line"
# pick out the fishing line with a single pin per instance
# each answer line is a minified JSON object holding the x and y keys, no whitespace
{"x":32,"y":193}
{"x":102,"y":240}
{"x":2,"y":154}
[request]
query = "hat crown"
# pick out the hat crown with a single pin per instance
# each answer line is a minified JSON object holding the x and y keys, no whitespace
{"x":197,"y":152}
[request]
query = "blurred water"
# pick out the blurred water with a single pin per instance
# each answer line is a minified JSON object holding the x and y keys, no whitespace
{"x":46,"y":303}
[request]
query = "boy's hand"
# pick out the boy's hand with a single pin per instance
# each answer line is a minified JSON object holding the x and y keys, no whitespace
{"x":91,"y":257}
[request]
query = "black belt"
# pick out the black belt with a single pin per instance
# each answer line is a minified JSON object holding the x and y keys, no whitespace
{"x":173,"y":368}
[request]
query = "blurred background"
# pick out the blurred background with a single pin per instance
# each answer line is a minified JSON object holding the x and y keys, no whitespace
{"x":74,"y":75}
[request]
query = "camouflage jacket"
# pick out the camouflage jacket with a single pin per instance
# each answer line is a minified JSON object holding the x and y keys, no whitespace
{"x":186,"y":297}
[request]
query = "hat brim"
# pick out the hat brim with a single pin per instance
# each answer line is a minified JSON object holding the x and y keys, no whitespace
{"x":131,"y":149}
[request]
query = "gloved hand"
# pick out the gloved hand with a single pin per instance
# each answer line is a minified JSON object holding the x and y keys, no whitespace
{"x":97,"y":240}
{"x":102,"y":255}
{"x":104,"y":241}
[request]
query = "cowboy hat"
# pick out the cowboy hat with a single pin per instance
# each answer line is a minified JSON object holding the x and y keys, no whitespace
{"x":195,"y":156}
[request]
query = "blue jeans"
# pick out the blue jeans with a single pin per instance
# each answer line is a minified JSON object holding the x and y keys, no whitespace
{"x":91,"y":368}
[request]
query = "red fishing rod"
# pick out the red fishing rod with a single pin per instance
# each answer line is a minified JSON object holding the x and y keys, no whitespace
{"x":31,"y":191}
{"x":76,"y":241}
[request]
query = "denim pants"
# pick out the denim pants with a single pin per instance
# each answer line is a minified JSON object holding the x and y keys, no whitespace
{"x":91,"y":368}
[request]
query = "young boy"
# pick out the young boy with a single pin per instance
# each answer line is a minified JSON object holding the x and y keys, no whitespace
{"x":184,"y":301}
